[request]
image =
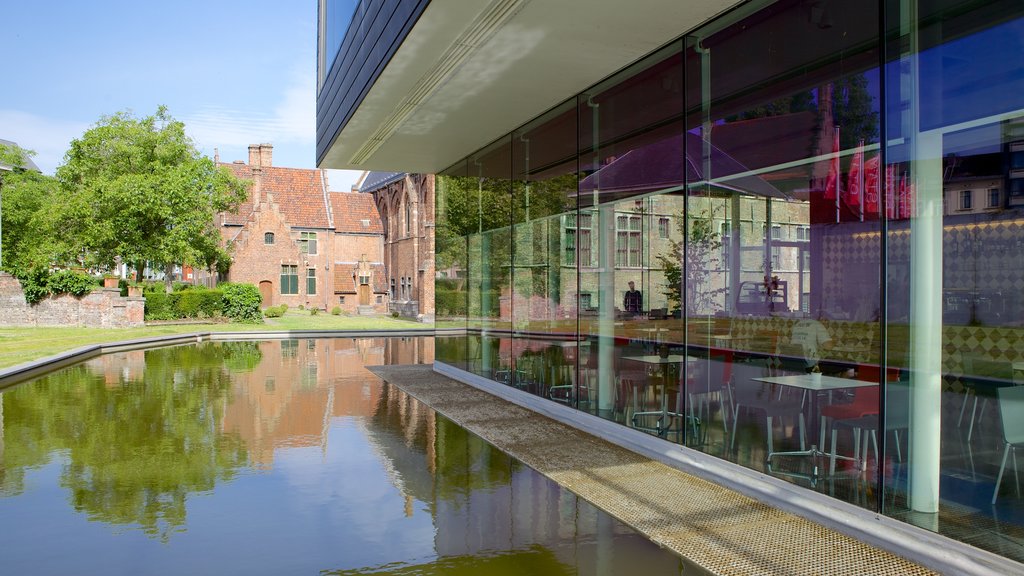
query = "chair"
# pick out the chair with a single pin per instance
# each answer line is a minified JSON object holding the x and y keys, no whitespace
{"x":710,"y":378}
{"x":756,"y":396}
{"x":982,"y":378}
{"x":864,"y":403}
{"x":897,"y":417}
{"x":1011,"y":409}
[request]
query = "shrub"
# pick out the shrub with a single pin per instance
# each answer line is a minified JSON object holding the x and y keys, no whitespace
{"x":336,"y":311}
{"x":70,"y":282}
{"x":242,"y":302}
{"x":274,"y":312}
{"x":187,"y":304}
{"x":301,"y":307}
{"x":198,"y":302}
{"x":38,"y":283}
{"x":158,"y":305}
{"x":314,"y":311}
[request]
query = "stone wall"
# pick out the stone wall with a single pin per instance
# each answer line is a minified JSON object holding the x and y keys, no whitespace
{"x":103,"y":308}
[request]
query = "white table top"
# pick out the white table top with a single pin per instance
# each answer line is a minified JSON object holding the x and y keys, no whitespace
{"x":656,"y":359}
{"x":808,"y":382}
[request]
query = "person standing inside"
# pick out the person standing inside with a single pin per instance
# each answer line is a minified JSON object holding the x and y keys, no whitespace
{"x":633,"y":301}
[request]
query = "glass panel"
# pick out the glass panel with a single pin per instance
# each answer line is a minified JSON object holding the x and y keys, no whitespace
{"x":955,"y":119}
{"x":451,"y":254}
{"x":632,"y":170}
{"x":781,"y":262}
{"x":544,"y":295}
{"x":310,"y":281}
{"x":490,"y":254}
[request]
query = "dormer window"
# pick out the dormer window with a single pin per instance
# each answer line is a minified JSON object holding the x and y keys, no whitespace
{"x":268,"y":238}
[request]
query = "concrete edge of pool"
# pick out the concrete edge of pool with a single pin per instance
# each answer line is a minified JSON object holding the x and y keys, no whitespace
{"x":828,"y":535}
{"x":14,"y":374}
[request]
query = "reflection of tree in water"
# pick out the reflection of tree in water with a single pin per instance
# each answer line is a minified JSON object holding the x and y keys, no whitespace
{"x":134,"y":449}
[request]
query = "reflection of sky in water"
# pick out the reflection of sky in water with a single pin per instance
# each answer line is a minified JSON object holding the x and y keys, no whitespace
{"x":375,"y":481}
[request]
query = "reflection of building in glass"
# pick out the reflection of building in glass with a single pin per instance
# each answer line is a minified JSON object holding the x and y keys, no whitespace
{"x":861,"y":167}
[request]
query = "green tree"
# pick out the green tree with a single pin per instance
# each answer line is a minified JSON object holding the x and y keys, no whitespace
{"x":700,"y":249}
{"x":854,"y":110}
{"x":137,"y":191}
{"x":29,"y":199}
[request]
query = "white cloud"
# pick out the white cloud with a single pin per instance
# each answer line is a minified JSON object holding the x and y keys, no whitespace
{"x":291,"y":123}
{"x":342,"y":180}
{"x":48,"y":137}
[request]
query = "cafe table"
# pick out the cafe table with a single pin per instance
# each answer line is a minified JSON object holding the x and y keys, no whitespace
{"x":814,"y":383}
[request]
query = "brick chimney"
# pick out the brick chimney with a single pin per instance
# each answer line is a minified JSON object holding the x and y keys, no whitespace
{"x":254,"y":156}
{"x":266,"y":155}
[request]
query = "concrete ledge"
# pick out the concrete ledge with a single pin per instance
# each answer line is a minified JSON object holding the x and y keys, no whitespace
{"x":923,"y":547}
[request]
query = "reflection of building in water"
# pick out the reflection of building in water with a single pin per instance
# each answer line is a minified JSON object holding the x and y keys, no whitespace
{"x":484,"y":501}
{"x":288,"y":398}
{"x":119,"y":367}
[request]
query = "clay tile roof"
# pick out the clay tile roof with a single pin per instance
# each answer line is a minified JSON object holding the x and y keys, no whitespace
{"x":245,"y":208}
{"x":298,"y":193}
{"x":345,"y":280}
{"x":355,"y":213}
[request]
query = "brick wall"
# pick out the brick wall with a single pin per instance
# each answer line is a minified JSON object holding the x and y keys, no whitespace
{"x":104,"y":308}
{"x":409,"y":250}
{"x":255,"y":261}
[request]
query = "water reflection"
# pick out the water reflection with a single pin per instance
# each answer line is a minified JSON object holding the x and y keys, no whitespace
{"x":282,"y":456}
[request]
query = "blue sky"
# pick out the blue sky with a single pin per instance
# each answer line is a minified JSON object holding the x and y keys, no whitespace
{"x":237,"y":73}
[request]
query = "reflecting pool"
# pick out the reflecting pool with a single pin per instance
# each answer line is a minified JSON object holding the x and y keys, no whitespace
{"x":277,"y":457}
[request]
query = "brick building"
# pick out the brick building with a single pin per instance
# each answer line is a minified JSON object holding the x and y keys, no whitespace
{"x":302,"y":243}
{"x":406,"y":206}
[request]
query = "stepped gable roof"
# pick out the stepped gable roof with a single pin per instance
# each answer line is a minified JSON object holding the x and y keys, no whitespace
{"x":345,"y":277}
{"x":376,"y":180}
{"x":355,"y":213}
{"x":298,"y":193}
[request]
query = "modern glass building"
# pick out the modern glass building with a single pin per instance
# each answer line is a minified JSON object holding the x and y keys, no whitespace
{"x":784,"y":237}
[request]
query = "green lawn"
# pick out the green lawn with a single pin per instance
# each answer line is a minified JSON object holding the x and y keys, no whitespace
{"x":18,"y":345}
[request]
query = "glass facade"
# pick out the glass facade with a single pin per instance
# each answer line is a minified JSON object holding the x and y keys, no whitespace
{"x":755,"y":243}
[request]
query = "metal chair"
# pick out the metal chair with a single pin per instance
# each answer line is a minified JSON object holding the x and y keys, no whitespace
{"x":752,"y":395}
{"x":1011,"y":409}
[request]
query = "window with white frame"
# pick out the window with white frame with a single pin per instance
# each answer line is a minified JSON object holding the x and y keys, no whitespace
{"x":311,"y":281}
{"x":663,"y":227}
{"x":289,"y":279}
{"x":966,"y":196}
{"x":993,"y":198}
{"x":268,"y":238}
{"x":307,"y":243}
{"x":628,"y":241}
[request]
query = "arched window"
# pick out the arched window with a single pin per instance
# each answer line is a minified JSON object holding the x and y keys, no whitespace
{"x":408,"y":216}
{"x":268,"y":238}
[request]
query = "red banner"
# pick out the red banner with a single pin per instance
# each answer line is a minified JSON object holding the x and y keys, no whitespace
{"x":832,"y":181}
{"x":871,"y":185}
{"x":853,"y":180}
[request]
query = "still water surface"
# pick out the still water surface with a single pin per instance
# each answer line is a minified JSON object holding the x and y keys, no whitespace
{"x":277,"y":457}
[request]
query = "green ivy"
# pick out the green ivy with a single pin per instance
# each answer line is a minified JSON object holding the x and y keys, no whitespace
{"x":39,"y":283}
